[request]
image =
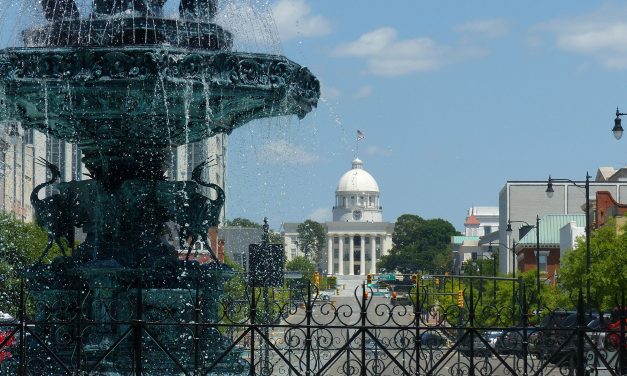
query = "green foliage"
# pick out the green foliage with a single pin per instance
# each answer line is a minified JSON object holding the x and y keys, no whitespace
{"x":21,"y":244}
{"x":311,"y":237}
{"x":419,"y":245}
{"x":274,"y":236}
{"x":241,"y":222}
{"x":301,"y":264}
{"x":608,"y":266}
{"x":502,"y":308}
{"x":481,"y":266}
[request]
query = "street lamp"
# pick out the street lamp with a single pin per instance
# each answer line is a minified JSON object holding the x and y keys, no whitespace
{"x":618,"y":132}
{"x":618,"y":128}
{"x":537,"y":227}
{"x":490,"y":250}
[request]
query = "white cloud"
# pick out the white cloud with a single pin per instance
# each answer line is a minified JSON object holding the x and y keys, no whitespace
{"x":329,"y":92}
{"x":321,"y":215}
{"x":386,"y":55}
{"x":601,"y":34}
{"x":493,"y":28}
{"x":378,"y":151}
{"x":283,"y":152}
{"x":293,"y":19}
{"x":364,"y":92}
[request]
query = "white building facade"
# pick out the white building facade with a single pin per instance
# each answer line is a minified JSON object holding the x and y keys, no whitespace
{"x":357,"y":237}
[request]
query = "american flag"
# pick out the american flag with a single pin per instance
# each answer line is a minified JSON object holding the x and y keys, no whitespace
{"x":360,"y":135}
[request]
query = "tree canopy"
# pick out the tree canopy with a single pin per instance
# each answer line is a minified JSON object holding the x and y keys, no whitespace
{"x":275,"y":237}
{"x":311,"y":237}
{"x":608,"y":265}
{"x":241,"y":222}
{"x":21,"y":244}
{"x":419,"y":245}
{"x":301,"y":264}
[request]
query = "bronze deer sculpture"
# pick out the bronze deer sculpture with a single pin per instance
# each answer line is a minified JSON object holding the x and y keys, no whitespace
{"x":201,"y":214}
{"x":52,"y":213}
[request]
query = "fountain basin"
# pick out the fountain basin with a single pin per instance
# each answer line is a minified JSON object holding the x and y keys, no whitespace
{"x":145,"y":95}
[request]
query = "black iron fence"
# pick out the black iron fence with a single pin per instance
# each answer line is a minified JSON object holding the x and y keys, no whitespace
{"x":435,"y":325}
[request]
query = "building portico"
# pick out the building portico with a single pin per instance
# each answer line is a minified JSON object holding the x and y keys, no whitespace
{"x":357,"y":237}
{"x":355,"y":252}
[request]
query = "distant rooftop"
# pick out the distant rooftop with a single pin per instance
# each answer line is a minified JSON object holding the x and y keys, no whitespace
{"x":550,"y":227}
{"x":458,"y":239}
{"x":484,"y":210}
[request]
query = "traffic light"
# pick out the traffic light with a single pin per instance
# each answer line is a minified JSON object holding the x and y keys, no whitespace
{"x":316,"y":279}
{"x":369,"y":280}
{"x":394,"y":295}
{"x":460,"y":299}
{"x":365,"y":294}
{"x":414,"y":279}
{"x":437,"y":282}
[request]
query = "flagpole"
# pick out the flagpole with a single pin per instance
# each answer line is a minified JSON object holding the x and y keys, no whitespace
{"x":360,"y":136}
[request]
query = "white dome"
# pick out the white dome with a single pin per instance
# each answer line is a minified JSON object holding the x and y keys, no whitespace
{"x":357,"y":180}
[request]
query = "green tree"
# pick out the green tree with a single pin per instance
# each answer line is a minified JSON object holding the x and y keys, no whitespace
{"x":241,"y":222}
{"x":275,"y":237}
{"x":21,"y":245}
{"x":420,"y":245}
{"x":311,"y":237}
{"x":301,"y":264}
{"x":608,"y":265}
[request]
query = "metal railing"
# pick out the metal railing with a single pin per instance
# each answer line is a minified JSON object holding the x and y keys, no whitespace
{"x":438,"y":325}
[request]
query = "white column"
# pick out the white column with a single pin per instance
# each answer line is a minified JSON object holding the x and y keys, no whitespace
{"x":330,"y":255}
{"x":362,"y":254}
{"x":384,"y":249}
{"x":340,"y":257}
{"x":373,"y":254}
{"x":351,"y":255}
{"x":288,"y":248}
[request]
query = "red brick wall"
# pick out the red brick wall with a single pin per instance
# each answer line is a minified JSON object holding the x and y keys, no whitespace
{"x":607,"y":207}
{"x":529,"y":262}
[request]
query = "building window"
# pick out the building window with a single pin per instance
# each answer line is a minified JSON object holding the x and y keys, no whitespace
{"x":473,"y":256}
{"x":371,"y":201}
{"x":344,"y":201}
{"x":543,"y":262}
{"x":367,"y":240}
{"x":357,"y":240}
{"x":336,"y":240}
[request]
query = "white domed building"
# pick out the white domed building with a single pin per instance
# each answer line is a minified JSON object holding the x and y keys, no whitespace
{"x":357,"y":237}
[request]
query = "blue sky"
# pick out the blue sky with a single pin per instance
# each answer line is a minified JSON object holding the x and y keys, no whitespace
{"x":455,"y":98}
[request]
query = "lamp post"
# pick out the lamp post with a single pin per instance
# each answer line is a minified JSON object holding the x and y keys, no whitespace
{"x":618,"y":128}
{"x":493,"y":268}
{"x":537,"y":227}
{"x":618,"y":132}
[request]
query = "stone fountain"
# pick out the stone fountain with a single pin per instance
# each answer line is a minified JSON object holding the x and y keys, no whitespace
{"x":128,"y":85}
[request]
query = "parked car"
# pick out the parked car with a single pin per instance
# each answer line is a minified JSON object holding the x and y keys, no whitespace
{"x":5,"y":351}
{"x":479,"y":349}
{"x":556,"y":329}
{"x":432,"y":339}
{"x":491,"y":336}
{"x":510,"y":342}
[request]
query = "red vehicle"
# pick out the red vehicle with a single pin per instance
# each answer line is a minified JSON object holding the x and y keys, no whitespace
{"x":4,"y":350}
{"x":613,"y":339}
